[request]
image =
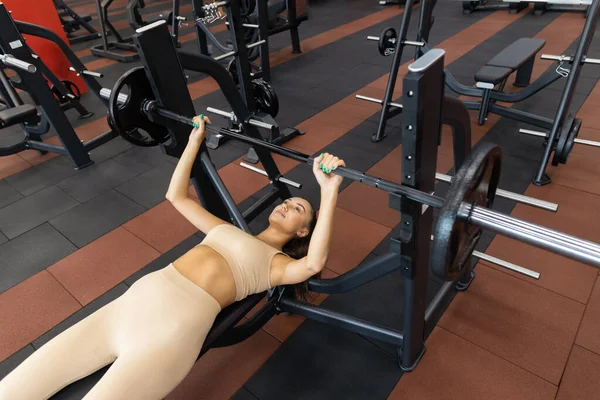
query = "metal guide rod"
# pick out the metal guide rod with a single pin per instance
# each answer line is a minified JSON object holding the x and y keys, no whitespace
{"x":12,"y":61}
{"x":506,"y":264}
{"x":263,"y":172}
{"x":539,"y":236}
{"x":392,"y":40}
{"x":379,"y":101}
{"x":86,"y":72}
{"x":246,"y":25}
{"x":585,"y":60}
{"x":519,"y":198}
{"x":545,"y":135}
{"x":233,"y":53}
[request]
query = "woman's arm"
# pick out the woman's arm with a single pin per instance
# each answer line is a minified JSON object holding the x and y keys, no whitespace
{"x":296,"y":271}
{"x":178,"y":193}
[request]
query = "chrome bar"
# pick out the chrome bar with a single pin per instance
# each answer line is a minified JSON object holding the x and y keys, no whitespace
{"x":413,"y":43}
{"x":12,"y":61}
{"x":519,"y":198}
{"x":584,"y":142}
{"x":222,"y":113}
{"x":225,"y":55}
{"x":506,"y":264}
{"x":379,"y":101}
{"x":255,"y":44}
{"x":86,"y":72}
{"x":263,"y":172}
{"x":585,"y":60}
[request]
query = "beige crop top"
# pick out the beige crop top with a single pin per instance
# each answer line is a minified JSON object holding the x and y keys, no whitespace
{"x":248,"y":257}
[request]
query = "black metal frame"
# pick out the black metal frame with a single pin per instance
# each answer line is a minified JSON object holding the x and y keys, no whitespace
{"x":423,"y":86}
{"x":245,"y":74}
{"x":489,"y":96}
{"x":36,"y":85}
{"x":110,"y":49}
{"x":136,"y":20}
{"x":77,"y":21}
{"x":492,"y":5}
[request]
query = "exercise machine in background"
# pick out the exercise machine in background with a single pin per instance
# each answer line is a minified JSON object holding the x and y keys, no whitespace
{"x":72,"y":22}
{"x":515,"y":6}
{"x":172,"y":17}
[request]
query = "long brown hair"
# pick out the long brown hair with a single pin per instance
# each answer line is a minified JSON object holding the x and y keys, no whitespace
{"x":298,"y":248}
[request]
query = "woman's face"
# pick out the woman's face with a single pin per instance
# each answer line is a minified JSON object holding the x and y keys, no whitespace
{"x":292,"y":216}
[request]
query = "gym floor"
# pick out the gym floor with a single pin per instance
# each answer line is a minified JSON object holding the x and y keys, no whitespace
{"x":72,"y":241}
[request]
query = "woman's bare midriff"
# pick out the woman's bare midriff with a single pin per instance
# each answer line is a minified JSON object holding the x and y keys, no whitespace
{"x":209,"y":270}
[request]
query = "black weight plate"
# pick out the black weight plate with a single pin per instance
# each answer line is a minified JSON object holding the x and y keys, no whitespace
{"x":386,"y":47}
{"x":265,"y":97}
{"x":566,"y":139}
{"x":232,"y":69}
{"x":475,"y":183}
{"x":127,"y":118}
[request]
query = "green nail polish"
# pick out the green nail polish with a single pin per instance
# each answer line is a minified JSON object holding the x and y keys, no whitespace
{"x":321,"y":165}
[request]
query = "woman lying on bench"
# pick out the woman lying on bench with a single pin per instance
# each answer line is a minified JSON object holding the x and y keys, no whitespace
{"x":154,"y":332}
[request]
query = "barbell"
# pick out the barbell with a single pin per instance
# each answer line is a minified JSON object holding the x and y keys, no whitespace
{"x":464,"y":212}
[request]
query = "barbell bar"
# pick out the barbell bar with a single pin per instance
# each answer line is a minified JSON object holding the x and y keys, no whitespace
{"x":12,"y":61}
{"x":539,"y":236}
{"x":545,"y":135}
{"x":585,"y":60}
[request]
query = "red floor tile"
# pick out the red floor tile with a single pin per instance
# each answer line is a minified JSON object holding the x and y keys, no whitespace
{"x":520,"y":322}
{"x":454,"y":368}
{"x":370,"y":203}
{"x":355,"y":237}
{"x":96,"y":268}
{"x":11,"y":165}
{"x":588,"y":335}
{"x":582,"y":376}
{"x":30,"y":309}
{"x":162,"y":227}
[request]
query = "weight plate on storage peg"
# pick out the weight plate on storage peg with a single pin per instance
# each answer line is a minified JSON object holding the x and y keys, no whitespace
{"x":127,"y":118}
{"x":265,"y":97}
{"x":566,"y":140}
{"x":387,"y":42}
{"x":474,"y":184}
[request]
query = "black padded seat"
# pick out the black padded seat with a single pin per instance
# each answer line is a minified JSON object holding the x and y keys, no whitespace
{"x":15,"y":115}
{"x":493,"y":75}
{"x":517,"y":53}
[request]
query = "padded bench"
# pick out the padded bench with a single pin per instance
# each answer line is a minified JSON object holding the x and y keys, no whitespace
{"x":512,"y":58}
{"x":16,"y":115}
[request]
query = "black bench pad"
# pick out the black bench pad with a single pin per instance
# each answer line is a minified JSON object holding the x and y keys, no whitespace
{"x":493,"y":75}
{"x":517,"y":53}
{"x":15,"y":115}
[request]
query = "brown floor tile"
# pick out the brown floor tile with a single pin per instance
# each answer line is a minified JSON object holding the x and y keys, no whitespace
{"x":318,"y":135}
{"x":582,"y":376}
{"x":355,"y":237}
{"x":580,"y":172}
{"x":454,"y":368}
{"x":241,"y":182}
{"x":575,"y":213}
{"x":345,"y":115}
{"x":521,"y":323}
{"x":221,"y":372}
{"x":558,"y":274}
{"x":202,"y":87}
{"x":589,"y":134}
{"x":94,"y":269}
{"x":30,"y":309}
{"x":11,"y":165}
{"x":370,"y":203}
{"x":588,"y":335}
{"x":389,"y":167}
{"x":162,"y":227}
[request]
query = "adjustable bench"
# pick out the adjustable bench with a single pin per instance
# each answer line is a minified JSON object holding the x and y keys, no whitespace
{"x":519,"y":56}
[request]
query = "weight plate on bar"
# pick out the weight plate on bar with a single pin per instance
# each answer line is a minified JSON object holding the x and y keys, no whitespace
{"x":386,"y":47}
{"x":475,"y":184}
{"x":566,"y":140}
{"x":265,"y":97}
{"x":127,"y":118}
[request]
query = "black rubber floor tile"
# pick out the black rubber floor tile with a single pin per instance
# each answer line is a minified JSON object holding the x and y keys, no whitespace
{"x":30,"y":253}
{"x":15,"y":360}
{"x":150,"y":188}
{"x":80,"y":388}
{"x":110,"y":149}
{"x":243,"y":394}
{"x":8,"y":194}
{"x":165,"y":259}
{"x":41,"y":176}
{"x":34,"y":210}
{"x":95,"y":305}
{"x":335,"y":365}
{"x":142,"y":159}
{"x":87,"y":222}
{"x":3,"y":239}
{"x":96,"y":179}
{"x":360,"y":138}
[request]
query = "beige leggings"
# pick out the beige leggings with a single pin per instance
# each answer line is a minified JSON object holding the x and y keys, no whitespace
{"x":153,"y":334}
